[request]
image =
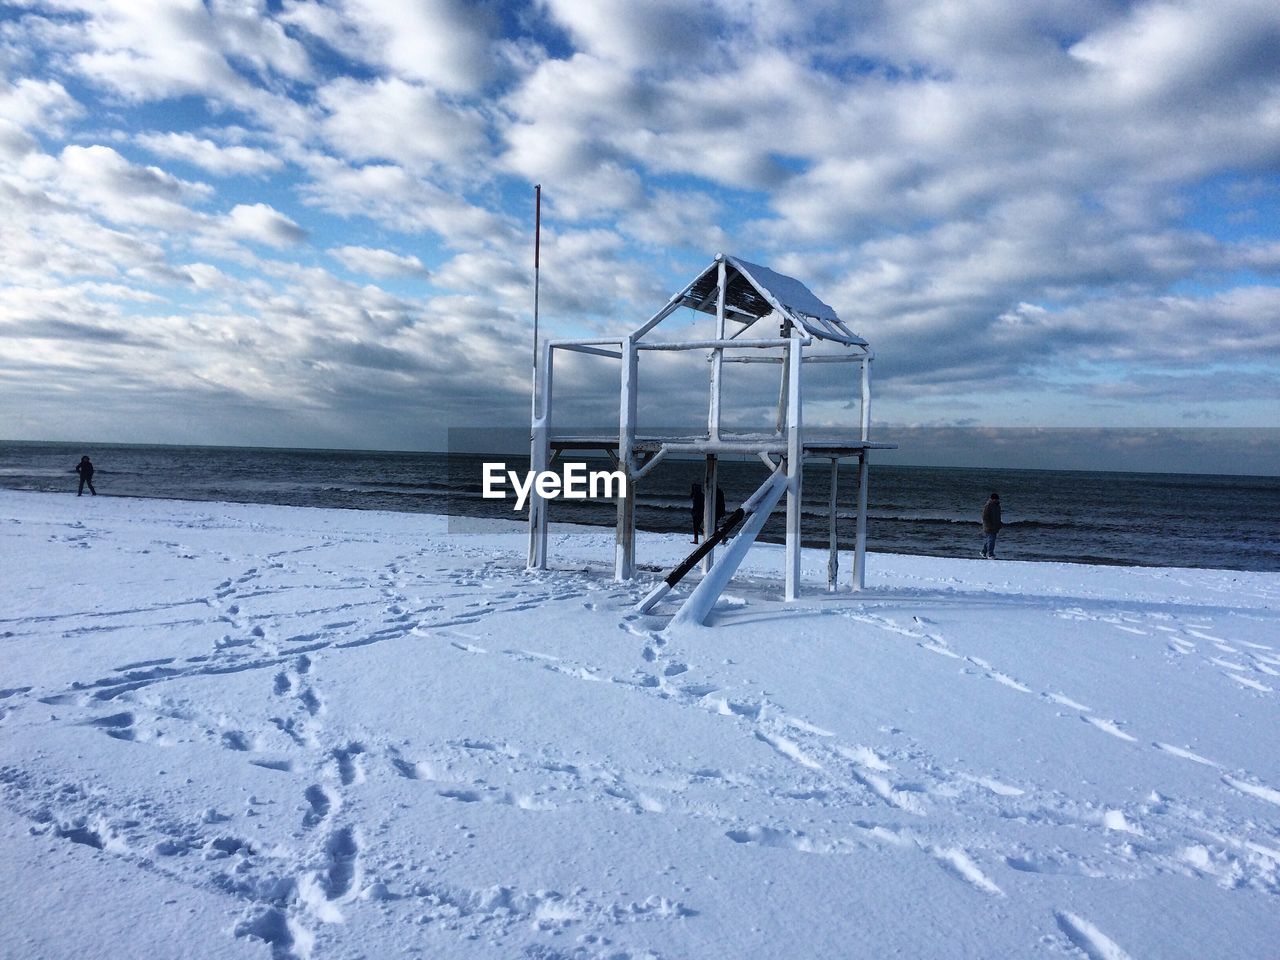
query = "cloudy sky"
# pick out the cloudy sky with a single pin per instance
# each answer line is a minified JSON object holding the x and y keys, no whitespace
{"x":309,"y":223}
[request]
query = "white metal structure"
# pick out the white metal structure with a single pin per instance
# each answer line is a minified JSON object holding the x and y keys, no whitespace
{"x":739,"y":295}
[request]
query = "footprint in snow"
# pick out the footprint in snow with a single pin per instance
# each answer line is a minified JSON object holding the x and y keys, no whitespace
{"x":1095,"y":944}
{"x":320,"y":802}
{"x":1109,"y":726}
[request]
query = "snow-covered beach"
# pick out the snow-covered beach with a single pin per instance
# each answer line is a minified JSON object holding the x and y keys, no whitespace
{"x":259,"y":731}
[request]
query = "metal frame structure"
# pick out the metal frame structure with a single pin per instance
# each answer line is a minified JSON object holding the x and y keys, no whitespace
{"x":740,"y":293}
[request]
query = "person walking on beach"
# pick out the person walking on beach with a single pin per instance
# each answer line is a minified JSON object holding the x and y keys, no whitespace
{"x":699,"y":505}
{"x":85,"y":469}
{"x":990,"y":526}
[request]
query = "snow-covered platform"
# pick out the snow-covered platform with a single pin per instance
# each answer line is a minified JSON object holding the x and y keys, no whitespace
{"x":253,"y":731}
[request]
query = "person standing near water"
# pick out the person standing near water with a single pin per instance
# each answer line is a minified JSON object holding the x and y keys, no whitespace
{"x":85,"y":469}
{"x":990,"y":526}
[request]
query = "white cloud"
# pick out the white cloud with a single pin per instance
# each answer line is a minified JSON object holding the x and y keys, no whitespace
{"x":379,"y":263}
{"x":643,"y":35}
{"x":395,"y":198}
{"x":446,"y":44}
{"x":217,"y":159}
{"x":992,"y":193}
{"x":126,"y":192}
{"x":15,"y":142}
{"x":40,"y":106}
{"x":145,"y":50}
{"x":249,"y":35}
{"x":153,"y":48}
{"x":262,"y":223}
{"x":672,"y":219}
{"x":400,"y":122}
{"x":1187,"y":50}
{"x":490,"y":273}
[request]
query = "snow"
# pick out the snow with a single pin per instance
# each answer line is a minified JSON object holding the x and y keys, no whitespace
{"x":266,"y":732}
{"x":788,"y":291}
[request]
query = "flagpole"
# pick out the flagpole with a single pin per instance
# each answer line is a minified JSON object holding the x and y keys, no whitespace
{"x":537,"y":559}
{"x":537,"y":249}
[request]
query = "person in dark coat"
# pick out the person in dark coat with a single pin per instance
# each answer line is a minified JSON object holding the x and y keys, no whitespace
{"x":699,"y":506}
{"x":991,"y":526}
{"x":85,"y":469}
{"x":720,"y":510}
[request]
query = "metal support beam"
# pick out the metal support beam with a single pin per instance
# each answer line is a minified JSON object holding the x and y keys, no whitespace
{"x":727,"y":342}
{"x":671,"y":306}
{"x":866,"y":397}
{"x":539,"y":459}
{"x":757,"y":509}
{"x":643,"y":470}
{"x":860,"y":536}
{"x":717,"y":364}
{"x":624,"y":561}
{"x":710,"y":484}
{"x":795,"y":465}
{"x":833,"y":547}
{"x":594,"y":351}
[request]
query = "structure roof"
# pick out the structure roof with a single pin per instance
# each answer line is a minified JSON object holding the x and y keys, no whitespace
{"x":753,"y":291}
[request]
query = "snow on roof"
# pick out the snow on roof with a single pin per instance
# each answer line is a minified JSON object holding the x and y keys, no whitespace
{"x":789,"y":291}
{"x":753,"y":291}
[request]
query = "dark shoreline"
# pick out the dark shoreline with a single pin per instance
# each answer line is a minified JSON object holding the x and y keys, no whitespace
{"x":1105,"y":519}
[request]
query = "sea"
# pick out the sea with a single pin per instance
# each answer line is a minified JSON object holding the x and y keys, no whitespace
{"x":1139,"y":519}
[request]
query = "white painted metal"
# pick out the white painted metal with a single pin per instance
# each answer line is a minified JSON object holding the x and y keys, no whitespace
{"x":537,"y":443}
{"x":588,"y":342}
{"x":595,"y":351}
{"x":539,"y":458}
{"x":653,"y":461}
{"x":810,"y":314}
{"x":752,"y":503}
{"x":866,"y":396}
{"x":704,"y":596}
{"x":833,"y":358}
{"x":863,"y":476}
{"x":795,"y":466}
{"x":710,"y":483}
{"x":825,"y":358}
{"x":803,"y":321}
{"x":762,"y":344}
{"x":833,"y":548}
{"x":717,"y":360}
{"x":860,"y":534}
{"x":625,"y":548}
{"x":672,"y":305}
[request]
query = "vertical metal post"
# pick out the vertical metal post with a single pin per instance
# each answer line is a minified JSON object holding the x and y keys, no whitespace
{"x":710,"y":484}
{"x":539,"y":400}
{"x":783,"y":393}
{"x":539,"y":457}
{"x":537,"y":257}
{"x":833,"y":548}
{"x":717,"y":359}
{"x":795,"y":464}
{"x":624,"y":560}
{"x":866,"y":397}
{"x":860,"y":536}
